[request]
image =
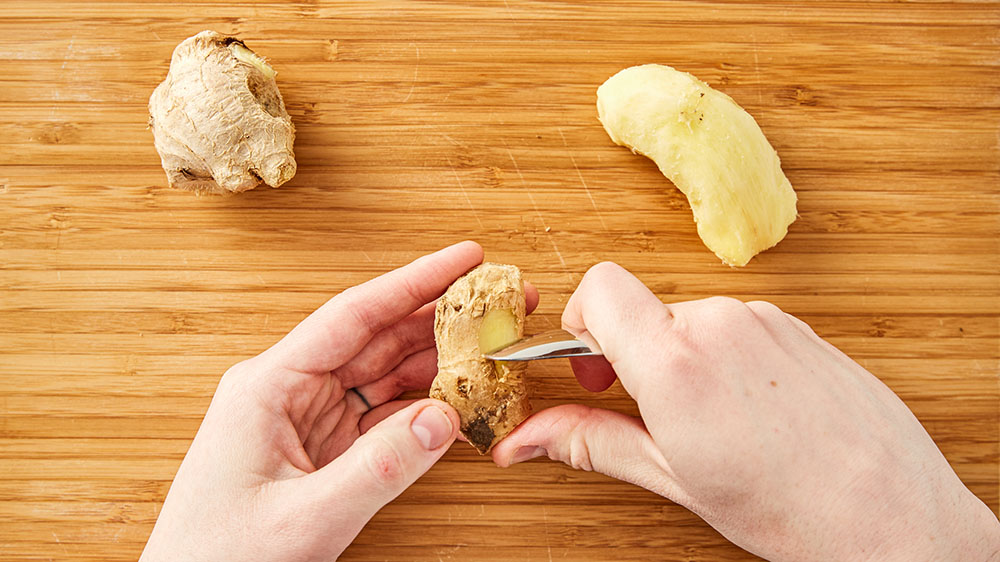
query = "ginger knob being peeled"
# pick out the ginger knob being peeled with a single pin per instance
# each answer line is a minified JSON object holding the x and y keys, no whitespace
{"x":481,"y":312}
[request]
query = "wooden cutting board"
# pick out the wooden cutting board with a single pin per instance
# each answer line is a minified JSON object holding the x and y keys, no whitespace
{"x":424,"y":123}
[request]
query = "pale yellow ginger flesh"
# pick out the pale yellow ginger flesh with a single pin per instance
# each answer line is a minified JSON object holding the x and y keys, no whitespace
{"x":219,"y":122}
{"x":499,"y":330}
{"x":481,"y":312}
{"x":710,"y":148}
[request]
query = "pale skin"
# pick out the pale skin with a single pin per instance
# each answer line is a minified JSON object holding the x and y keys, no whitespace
{"x":773,"y":436}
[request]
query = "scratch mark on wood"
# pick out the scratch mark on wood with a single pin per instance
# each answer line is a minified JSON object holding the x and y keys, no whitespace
{"x":69,"y":52}
{"x":59,"y":542}
{"x":582,"y":181}
{"x":458,"y":179}
{"x":545,"y":522}
{"x":509,"y":13}
{"x":416,"y":70}
{"x":62,"y":68}
{"x":531,"y":197}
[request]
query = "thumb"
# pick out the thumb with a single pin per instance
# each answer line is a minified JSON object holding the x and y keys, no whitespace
{"x":388,"y":458}
{"x":586,"y":438}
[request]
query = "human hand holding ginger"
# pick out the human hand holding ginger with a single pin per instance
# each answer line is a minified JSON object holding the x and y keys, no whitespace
{"x":304,"y":443}
{"x":778,"y":440}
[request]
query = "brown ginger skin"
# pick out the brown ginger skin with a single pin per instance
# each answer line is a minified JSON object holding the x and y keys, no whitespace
{"x":491,"y":397}
{"x":218,"y":120}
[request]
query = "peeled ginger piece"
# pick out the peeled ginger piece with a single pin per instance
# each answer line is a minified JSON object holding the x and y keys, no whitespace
{"x":710,"y":148}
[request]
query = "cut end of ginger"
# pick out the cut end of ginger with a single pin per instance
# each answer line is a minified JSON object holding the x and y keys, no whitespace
{"x":710,"y":148}
{"x":241,"y":52}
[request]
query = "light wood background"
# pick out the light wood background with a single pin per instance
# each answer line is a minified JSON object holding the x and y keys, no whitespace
{"x":424,"y":123}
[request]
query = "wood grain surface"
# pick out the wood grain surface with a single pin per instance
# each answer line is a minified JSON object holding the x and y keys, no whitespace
{"x":424,"y":123}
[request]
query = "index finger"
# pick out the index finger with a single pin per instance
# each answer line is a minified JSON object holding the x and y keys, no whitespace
{"x":614,"y":309}
{"x":339,"y":329}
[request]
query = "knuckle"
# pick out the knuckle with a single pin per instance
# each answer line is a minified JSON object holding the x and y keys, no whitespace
{"x":239,"y":374}
{"x":723,"y":303}
{"x":241,"y":369}
{"x":801,"y":324}
{"x":724,"y":314}
{"x":405,"y":338}
{"x":364,"y":315}
{"x":385,"y":463}
{"x":411,"y":290}
{"x":233,"y":374}
{"x":578,"y":450}
{"x":579,"y":454}
{"x":766,"y":309}
{"x":602,"y":274}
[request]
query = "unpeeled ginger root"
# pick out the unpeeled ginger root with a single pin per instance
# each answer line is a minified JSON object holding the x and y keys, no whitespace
{"x":710,"y":148}
{"x":482,"y":312}
{"x":218,"y":120}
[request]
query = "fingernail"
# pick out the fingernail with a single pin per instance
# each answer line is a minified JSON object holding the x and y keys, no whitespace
{"x":526,"y":453}
{"x":432,"y":427}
